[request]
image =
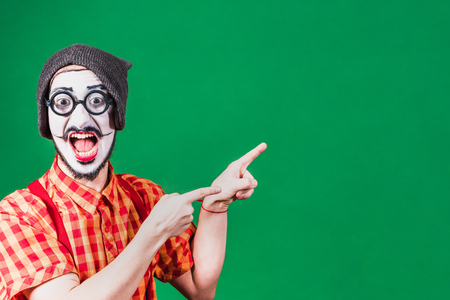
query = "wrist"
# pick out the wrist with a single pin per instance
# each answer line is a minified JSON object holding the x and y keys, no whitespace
{"x":214,"y":205}
{"x":154,"y":231}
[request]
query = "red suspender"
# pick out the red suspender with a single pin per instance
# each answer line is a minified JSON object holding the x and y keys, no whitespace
{"x":36,"y":189}
{"x":137,"y":200}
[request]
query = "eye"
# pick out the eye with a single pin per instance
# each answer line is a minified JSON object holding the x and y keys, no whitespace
{"x":63,"y":102}
{"x":97,"y":101}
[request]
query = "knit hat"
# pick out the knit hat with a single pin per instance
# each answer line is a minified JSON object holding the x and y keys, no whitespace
{"x":111,"y":70}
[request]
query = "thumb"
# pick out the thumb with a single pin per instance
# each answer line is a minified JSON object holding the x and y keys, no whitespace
{"x":243,"y":184}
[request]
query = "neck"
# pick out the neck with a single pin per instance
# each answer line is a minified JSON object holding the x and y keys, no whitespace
{"x":98,"y":184}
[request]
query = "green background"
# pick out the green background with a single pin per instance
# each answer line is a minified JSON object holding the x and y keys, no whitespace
{"x":351,"y":98}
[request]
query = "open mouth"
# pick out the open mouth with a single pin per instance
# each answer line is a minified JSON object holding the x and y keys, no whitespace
{"x":84,"y":145}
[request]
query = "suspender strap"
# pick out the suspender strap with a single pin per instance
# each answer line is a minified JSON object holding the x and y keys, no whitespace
{"x":137,"y":200}
{"x":36,"y":189}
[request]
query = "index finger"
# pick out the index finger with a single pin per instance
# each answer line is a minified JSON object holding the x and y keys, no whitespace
{"x":200,"y":193}
{"x":252,"y":154}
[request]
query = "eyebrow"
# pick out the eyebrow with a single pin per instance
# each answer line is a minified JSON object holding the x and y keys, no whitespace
{"x":102,"y":86}
{"x":61,"y":88}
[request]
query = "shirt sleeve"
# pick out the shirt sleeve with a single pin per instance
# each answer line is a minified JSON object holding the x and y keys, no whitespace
{"x":175,"y":256}
{"x":29,"y":253}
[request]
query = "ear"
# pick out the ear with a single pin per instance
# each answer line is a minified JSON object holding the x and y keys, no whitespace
{"x":113,"y":117}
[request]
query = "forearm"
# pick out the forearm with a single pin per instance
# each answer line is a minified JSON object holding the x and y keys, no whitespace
{"x":118,"y":280}
{"x":209,"y":249}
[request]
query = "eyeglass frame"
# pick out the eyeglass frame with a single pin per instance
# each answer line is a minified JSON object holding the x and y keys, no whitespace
{"x":48,"y":102}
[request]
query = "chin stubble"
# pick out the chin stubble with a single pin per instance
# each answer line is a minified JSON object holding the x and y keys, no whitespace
{"x":90,"y":176}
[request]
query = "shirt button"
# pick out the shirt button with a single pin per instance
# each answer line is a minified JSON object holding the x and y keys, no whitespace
{"x":107,"y":229}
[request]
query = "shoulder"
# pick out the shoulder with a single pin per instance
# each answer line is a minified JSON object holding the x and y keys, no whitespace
{"x":22,"y":206}
{"x":17,"y":203}
{"x":149,"y":191}
{"x":25,"y":201}
{"x":141,"y":184}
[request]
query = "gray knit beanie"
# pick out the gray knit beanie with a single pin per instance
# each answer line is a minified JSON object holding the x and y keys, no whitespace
{"x":111,"y":70}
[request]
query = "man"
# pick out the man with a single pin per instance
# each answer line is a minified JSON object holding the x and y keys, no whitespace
{"x":81,"y":231}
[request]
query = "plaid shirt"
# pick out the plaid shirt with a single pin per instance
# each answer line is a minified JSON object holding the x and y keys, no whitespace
{"x":99,"y":226}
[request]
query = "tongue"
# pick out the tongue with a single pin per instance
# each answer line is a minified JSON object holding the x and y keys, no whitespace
{"x":83,"y":145}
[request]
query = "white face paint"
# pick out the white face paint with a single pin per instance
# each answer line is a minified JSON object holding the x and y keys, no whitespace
{"x":83,"y":140}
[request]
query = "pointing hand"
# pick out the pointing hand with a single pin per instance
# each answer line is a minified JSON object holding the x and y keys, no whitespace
{"x":172,"y":215}
{"x":236,"y":181}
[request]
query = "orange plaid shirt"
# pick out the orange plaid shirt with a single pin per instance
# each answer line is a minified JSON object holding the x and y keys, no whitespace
{"x":99,"y":226}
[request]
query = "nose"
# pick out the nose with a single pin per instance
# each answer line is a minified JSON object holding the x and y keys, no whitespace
{"x":80,"y":117}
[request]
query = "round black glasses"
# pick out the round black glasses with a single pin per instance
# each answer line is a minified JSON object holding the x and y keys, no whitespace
{"x":63,"y":103}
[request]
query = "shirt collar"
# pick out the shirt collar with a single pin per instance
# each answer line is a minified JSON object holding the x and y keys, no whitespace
{"x":85,"y":197}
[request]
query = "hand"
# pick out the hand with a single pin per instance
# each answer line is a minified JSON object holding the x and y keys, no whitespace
{"x":172,"y":215}
{"x":236,"y":182}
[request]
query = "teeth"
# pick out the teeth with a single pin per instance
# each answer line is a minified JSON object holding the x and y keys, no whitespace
{"x":82,"y":135}
{"x":90,"y":152}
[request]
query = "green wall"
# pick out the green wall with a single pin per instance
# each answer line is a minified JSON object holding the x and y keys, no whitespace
{"x":351,"y":98}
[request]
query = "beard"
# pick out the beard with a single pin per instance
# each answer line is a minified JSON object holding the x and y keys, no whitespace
{"x":90,"y":176}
